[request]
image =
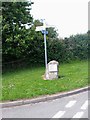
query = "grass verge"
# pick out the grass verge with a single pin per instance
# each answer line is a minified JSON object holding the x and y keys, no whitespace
{"x":28,"y":83}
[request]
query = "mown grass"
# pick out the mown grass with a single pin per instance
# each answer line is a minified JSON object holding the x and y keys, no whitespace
{"x":28,"y":83}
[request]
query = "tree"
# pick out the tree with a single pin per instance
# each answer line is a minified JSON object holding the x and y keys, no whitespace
{"x":52,"y":32}
{"x":80,"y":45}
{"x":14,"y":33}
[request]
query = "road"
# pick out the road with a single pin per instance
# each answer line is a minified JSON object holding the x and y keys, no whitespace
{"x":74,"y":106}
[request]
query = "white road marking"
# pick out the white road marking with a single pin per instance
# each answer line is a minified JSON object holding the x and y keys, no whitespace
{"x":70,"y":104}
{"x":85,"y":105}
{"x":59,"y":114}
{"x":78,"y":115}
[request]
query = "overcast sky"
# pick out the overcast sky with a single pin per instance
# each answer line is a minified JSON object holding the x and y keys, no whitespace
{"x":70,"y":17}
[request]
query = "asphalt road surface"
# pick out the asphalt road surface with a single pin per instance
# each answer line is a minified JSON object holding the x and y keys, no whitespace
{"x":74,"y":106}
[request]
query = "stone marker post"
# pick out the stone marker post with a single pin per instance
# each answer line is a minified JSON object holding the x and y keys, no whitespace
{"x":52,"y":70}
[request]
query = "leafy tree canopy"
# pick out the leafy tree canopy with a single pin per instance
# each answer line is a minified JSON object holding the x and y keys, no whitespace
{"x":14,"y":33}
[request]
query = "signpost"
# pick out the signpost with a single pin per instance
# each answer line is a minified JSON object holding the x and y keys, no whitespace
{"x":43,"y":30}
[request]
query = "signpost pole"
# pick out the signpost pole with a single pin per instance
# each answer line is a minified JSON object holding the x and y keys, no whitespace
{"x":44,"y":24}
{"x":43,"y":29}
{"x":45,"y":50}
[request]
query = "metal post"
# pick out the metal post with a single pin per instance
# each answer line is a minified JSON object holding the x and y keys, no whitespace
{"x":43,"y":29}
{"x":44,"y":24}
{"x":45,"y":50}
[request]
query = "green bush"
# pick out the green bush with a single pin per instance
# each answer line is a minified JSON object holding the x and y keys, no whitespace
{"x":72,"y":48}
